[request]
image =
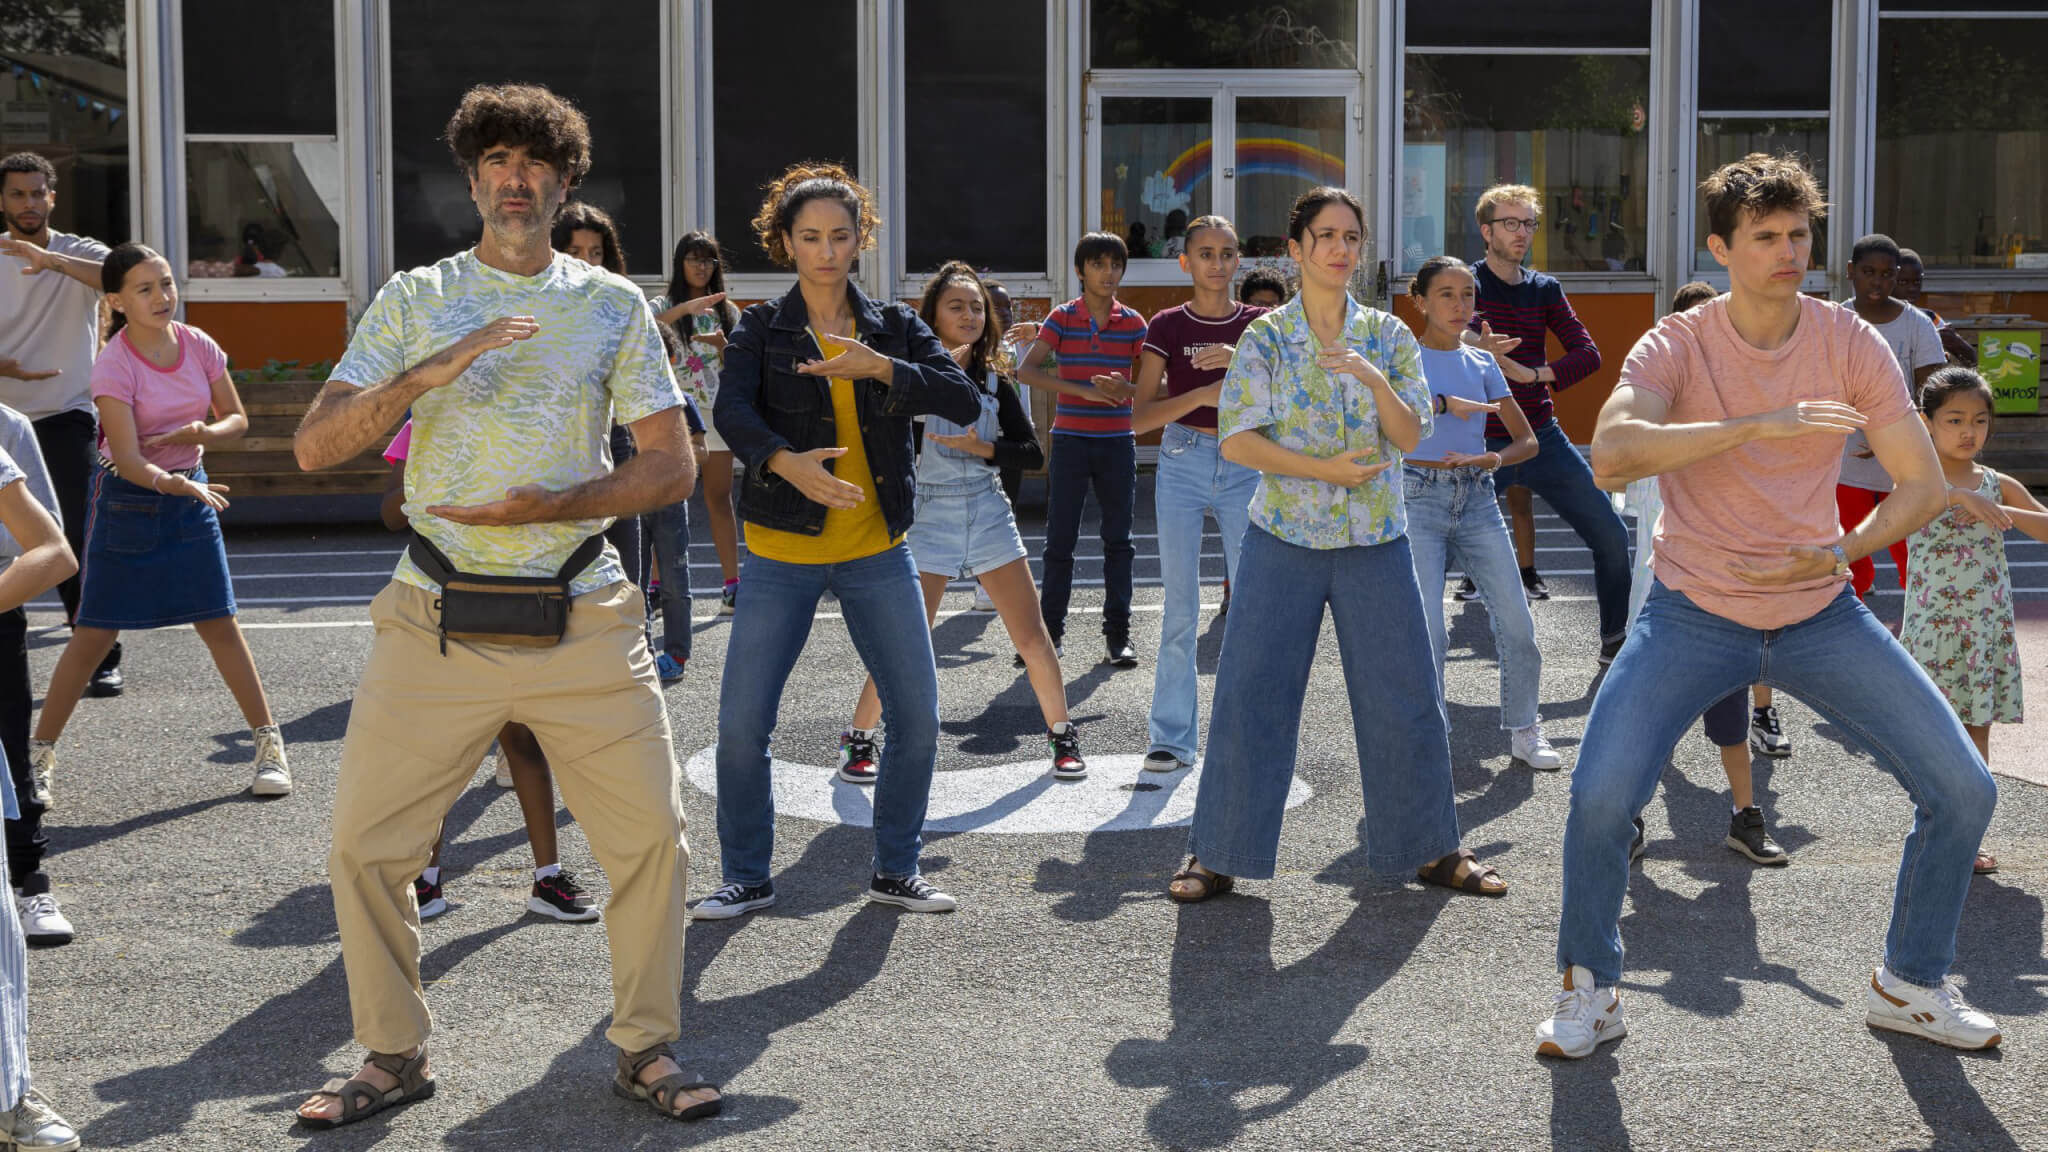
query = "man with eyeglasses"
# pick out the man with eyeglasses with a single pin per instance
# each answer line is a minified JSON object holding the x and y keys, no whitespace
{"x":1522,"y":302}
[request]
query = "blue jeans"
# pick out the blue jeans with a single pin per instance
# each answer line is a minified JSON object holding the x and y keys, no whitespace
{"x":1453,"y":517}
{"x":1194,"y":478}
{"x":885,"y":617}
{"x":1269,"y":645}
{"x":668,"y":539}
{"x":1844,"y":664}
{"x":1565,"y":481}
{"x":1109,"y":465}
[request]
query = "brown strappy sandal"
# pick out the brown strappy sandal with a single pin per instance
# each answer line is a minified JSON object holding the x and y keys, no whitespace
{"x":663,"y":1094}
{"x":1445,"y":873}
{"x":361,"y":1099}
{"x":1211,"y":884}
{"x":1986,"y":864}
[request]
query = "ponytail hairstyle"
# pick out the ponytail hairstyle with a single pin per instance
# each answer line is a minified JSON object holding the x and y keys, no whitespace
{"x":1315,"y":200}
{"x":800,"y":185}
{"x":1209,"y":221}
{"x":985,"y":351}
{"x":1431,"y":269}
{"x":700,"y":243}
{"x":114,"y":270}
{"x":1948,"y":383}
{"x":578,"y":216}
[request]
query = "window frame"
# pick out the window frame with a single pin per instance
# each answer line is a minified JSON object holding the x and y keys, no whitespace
{"x":177,"y":227}
{"x":1656,"y":121}
{"x":1944,"y":280}
{"x":386,"y":241}
{"x":1223,"y":88}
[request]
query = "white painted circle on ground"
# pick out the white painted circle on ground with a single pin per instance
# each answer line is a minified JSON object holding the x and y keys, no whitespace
{"x":1117,"y":795}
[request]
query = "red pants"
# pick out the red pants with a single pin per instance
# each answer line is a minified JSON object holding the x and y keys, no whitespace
{"x":1855,"y":506}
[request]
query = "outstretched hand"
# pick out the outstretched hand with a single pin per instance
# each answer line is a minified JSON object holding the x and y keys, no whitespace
{"x":1801,"y":563}
{"x":806,"y":470}
{"x":1462,"y":408}
{"x":1352,"y":469}
{"x":1807,"y":418}
{"x":12,"y":368}
{"x":526,"y":504}
{"x":34,"y":256}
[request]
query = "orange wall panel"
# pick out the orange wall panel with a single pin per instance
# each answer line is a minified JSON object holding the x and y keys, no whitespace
{"x":255,"y":332}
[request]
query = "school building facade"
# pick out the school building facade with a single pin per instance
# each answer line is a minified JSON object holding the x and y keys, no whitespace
{"x":284,"y":154}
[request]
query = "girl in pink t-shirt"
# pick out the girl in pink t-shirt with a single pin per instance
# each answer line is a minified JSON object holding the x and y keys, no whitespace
{"x":153,"y":550}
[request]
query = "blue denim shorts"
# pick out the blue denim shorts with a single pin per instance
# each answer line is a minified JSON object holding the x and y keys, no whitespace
{"x":961,"y":531}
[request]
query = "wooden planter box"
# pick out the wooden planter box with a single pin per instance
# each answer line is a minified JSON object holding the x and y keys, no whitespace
{"x":261,"y":463}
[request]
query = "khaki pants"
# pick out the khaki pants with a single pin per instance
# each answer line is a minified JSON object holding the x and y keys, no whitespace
{"x":420,"y":723}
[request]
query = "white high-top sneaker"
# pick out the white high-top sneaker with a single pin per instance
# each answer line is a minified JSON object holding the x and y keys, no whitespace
{"x":273,"y":773}
{"x":1585,"y":1018}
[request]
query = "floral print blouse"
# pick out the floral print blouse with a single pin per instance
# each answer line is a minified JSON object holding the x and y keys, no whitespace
{"x":1276,"y":386}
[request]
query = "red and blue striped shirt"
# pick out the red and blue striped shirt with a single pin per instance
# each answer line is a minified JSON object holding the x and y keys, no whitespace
{"x":1532,"y":309}
{"x":1086,"y":351}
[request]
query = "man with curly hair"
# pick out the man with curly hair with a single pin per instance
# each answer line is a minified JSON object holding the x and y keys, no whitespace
{"x":512,"y":359}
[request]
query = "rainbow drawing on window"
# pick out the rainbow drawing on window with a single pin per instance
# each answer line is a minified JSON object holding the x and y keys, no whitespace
{"x":1256,"y":156}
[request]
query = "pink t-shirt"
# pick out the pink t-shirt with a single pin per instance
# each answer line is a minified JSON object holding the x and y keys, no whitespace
{"x":400,"y":446}
{"x":1750,"y":502}
{"x":164,"y":399}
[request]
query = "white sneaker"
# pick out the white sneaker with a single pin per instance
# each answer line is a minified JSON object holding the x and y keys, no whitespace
{"x":982,"y":603}
{"x":501,"y":772}
{"x":34,"y":1124}
{"x":1937,"y":1014}
{"x":273,"y":773}
{"x":1585,"y":1018}
{"x":732,"y":900}
{"x":42,"y":764}
{"x":42,"y":922}
{"x":1531,"y":747}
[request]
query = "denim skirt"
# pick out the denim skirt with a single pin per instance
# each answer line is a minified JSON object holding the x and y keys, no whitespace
{"x":151,"y":560}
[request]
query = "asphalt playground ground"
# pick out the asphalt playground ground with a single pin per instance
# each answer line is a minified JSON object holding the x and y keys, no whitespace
{"x":1067,"y":1004}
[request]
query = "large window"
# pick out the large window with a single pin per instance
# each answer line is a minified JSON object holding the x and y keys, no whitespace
{"x":64,"y":94}
{"x":1962,"y":137}
{"x":1222,"y":34}
{"x":1763,"y":93}
{"x":974,"y":127}
{"x":765,"y":119}
{"x":1241,"y":147}
{"x":608,"y":63}
{"x":1495,"y":95}
{"x":263,"y":179}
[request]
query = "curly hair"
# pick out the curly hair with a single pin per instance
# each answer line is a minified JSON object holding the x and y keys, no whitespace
{"x":1490,"y":201}
{"x":520,"y":115}
{"x":29,"y":163}
{"x":986,"y":349}
{"x":1758,"y":185}
{"x":800,"y":185}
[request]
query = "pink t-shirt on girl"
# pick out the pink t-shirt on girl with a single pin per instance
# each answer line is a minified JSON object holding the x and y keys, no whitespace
{"x":164,"y":399}
{"x":1749,"y":503}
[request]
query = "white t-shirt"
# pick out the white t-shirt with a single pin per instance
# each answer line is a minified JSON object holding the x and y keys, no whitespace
{"x":1916,"y":344}
{"x":21,"y":458}
{"x":50,"y":322}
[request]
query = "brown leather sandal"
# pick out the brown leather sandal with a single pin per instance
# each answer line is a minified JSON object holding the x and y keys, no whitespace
{"x":663,"y":1094}
{"x":1445,"y":873}
{"x":1986,"y":864}
{"x":361,"y":1099}
{"x":1211,"y":884}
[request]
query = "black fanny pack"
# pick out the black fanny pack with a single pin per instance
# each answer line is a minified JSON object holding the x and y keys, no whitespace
{"x":524,"y":611}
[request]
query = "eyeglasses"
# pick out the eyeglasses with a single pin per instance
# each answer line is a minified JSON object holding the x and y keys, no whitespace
{"x":1515,"y":223}
{"x":700,"y":262}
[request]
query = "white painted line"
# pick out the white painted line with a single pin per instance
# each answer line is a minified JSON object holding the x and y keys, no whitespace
{"x":1117,"y":795}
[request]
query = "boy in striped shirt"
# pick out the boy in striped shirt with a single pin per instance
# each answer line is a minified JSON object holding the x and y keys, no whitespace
{"x":1095,"y":341}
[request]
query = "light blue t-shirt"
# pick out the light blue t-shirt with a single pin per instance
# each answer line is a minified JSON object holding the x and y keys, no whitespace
{"x":1467,"y":373}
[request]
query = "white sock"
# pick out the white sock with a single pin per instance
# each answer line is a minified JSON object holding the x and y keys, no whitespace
{"x":540,"y":874}
{"x":1062,"y":728}
{"x":431,"y":875}
{"x":862,"y":733}
{"x":1734,"y":808}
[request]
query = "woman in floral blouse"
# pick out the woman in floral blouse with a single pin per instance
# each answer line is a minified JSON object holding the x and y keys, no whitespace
{"x":1323,"y":398}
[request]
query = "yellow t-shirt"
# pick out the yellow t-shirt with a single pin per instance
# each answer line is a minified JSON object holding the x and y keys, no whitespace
{"x":849,"y":533}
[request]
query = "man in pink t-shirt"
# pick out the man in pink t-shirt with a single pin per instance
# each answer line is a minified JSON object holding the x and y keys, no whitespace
{"x":1740,"y":408}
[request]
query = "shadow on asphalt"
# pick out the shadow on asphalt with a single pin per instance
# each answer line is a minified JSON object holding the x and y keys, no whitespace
{"x":1937,"y":1081}
{"x":1999,"y":949}
{"x":1098,"y":885}
{"x":1249,"y":1039}
{"x":323,"y":725}
{"x":1585,"y":1105}
{"x":79,"y":837}
{"x":295,"y":1031}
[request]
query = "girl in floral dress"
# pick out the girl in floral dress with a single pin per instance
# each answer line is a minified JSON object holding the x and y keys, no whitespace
{"x":1959,"y":617}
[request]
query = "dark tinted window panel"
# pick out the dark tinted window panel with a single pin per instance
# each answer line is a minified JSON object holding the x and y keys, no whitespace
{"x":1523,"y":24}
{"x":1765,"y":55}
{"x":610,"y":68}
{"x":64,"y":85}
{"x":1959,"y":6}
{"x":259,"y":67}
{"x":1222,"y":34}
{"x":784,"y":84}
{"x":974,"y":120}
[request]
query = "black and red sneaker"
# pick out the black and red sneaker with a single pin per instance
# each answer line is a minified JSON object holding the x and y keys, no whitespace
{"x":561,"y":897}
{"x":1066,"y":753}
{"x":429,"y":897}
{"x":857,"y":756}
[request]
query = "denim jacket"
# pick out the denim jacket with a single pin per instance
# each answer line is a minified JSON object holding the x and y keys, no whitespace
{"x":764,"y":405}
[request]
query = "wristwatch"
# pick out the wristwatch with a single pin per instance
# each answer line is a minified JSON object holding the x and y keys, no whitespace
{"x":1841,"y":561}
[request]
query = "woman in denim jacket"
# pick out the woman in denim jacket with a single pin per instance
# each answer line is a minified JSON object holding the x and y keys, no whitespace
{"x":816,"y":400}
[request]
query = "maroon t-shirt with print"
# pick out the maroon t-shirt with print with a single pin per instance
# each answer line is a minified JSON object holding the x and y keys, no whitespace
{"x":1177,"y":334}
